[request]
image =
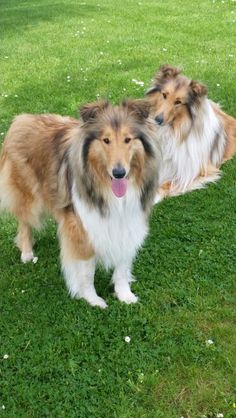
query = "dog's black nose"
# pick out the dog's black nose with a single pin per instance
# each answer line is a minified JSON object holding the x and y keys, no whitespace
{"x":118,"y":172}
{"x":159,"y":119}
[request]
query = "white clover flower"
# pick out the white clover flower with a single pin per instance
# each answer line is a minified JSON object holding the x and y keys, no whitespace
{"x":127,"y":339}
{"x":209,"y":342}
{"x":138,"y":83}
{"x":3,"y":407}
{"x":6,"y":356}
{"x":220,"y":415}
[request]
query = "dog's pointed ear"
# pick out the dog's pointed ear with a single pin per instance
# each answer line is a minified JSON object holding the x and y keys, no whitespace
{"x":166,"y":72}
{"x":139,"y":108}
{"x":198,"y":89}
{"x":91,"y":110}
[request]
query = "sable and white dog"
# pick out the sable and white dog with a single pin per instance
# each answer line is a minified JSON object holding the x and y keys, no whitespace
{"x":96,"y":176}
{"x":195,"y":135}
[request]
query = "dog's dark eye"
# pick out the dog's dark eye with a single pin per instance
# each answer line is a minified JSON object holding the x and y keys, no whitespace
{"x":127,"y":140}
{"x":177,"y":102}
{"x":164,"y":95}
{"x":106,"y":140}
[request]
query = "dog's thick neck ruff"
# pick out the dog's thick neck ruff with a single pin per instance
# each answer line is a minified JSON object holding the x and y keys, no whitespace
{"x":116,"y":236}
{"x":184,"y":158}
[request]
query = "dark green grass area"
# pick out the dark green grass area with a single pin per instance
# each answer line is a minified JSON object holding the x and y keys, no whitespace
{"x":67,"y":359}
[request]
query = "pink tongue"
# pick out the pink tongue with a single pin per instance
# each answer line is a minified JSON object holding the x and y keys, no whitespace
{"x":119,"y":186}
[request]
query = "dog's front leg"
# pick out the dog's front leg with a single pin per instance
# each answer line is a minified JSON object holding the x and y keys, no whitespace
{"x":121,"y":279}
{"x":77,"y":259}
{"x":79,"y":276}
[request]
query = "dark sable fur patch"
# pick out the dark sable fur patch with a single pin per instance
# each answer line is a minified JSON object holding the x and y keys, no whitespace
{"x":146,"y":144}
{"x":69,"y":181}
{"x":87,"y":143}
{"x":179,"y":83}
{"x":88,"y":183}
{"x":115,"y":123}
{"x":189,"y":105}
{"x":58,"y":139}
{"x":63,"y":160}
{"x":92,"y":194}
{"x":148,"y":191}
{"x":189,"y":109}
{"x":215,"y":144}
{"x":152,"y":90}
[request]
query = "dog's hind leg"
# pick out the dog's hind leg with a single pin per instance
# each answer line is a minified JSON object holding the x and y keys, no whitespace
{"x":211,"y":175}
{"x":77,"y":259}
{"x":24,"y":242}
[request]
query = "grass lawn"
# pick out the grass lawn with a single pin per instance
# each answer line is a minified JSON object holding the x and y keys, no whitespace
{"x":66,"y":359}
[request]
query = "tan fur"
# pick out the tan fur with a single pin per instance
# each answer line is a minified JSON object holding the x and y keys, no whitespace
{"x":73,"y":238}
{"x":32,"y":184}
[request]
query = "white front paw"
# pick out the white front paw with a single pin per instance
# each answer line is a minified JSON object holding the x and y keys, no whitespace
{"x":100,"y":302}
{"x":127,"y":297}
{"x":93,"y":300}
{"x":26,"y":257}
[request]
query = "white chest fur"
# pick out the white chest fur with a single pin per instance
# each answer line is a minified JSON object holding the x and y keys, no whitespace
{"x":117,"y":236}
{"x":183,"y":161}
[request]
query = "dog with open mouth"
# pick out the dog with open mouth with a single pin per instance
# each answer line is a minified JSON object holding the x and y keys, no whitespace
{"x":97,"y":176}
{"x":195,"y":135}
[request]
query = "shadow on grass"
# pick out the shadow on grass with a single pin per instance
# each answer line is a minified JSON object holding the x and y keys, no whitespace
{"x":52,"y":94}
{"x":16,"y":16}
